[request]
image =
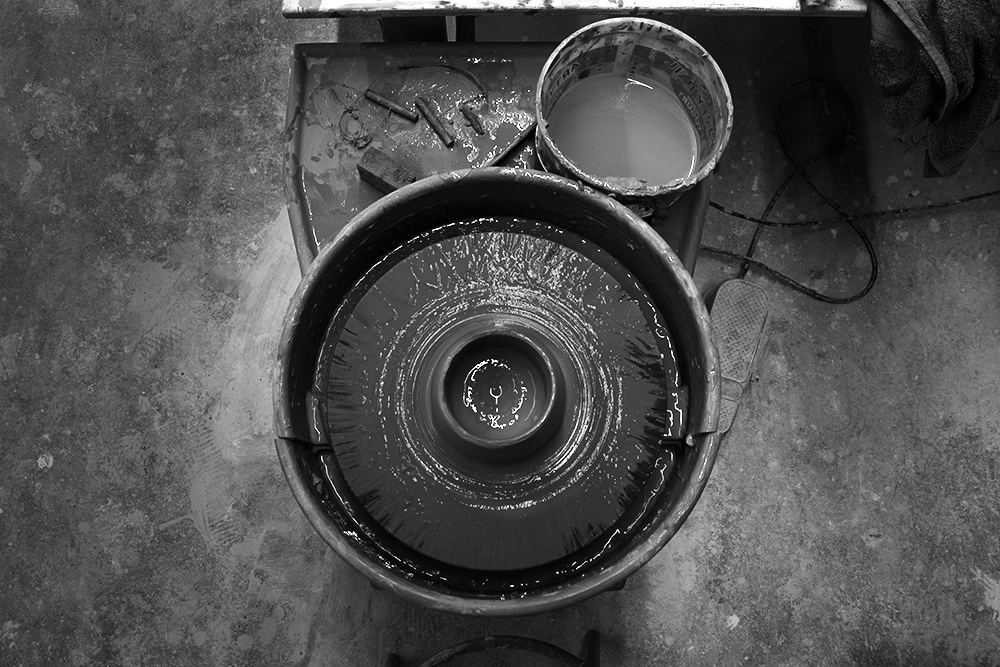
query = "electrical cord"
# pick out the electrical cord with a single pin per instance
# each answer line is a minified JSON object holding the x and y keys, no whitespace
{"x":747,"y":260}
{"x":855,"y":217}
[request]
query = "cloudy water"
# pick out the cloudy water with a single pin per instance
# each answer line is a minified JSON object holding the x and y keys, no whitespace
{"x":612,"y":126}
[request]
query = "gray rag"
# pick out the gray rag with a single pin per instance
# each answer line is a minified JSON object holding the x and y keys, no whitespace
{"x":938,"y":60}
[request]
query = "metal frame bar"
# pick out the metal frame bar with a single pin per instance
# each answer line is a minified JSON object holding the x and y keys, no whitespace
{"x":340,"y":8}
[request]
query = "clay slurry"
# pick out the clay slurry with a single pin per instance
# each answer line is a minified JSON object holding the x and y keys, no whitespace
{"x":621,"y":411}
{"x":611,"y":126}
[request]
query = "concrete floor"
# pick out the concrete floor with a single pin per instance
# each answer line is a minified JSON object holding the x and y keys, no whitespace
{"x":145,"y":265}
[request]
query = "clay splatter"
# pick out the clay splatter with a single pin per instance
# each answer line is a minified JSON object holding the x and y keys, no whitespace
{"x":991,"y":591}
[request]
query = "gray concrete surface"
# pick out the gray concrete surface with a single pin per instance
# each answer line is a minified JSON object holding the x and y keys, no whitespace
{"x":145,"y":265}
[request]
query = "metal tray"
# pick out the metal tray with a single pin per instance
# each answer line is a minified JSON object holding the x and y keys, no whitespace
{"x":330,"y":124}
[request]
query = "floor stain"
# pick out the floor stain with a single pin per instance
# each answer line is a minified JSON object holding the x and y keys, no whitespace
{"x":991,"y":591}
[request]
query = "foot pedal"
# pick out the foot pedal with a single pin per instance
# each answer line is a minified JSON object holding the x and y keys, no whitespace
{"x":739,"y":313}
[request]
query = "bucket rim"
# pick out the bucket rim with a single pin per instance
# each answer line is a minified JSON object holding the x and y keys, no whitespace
{"x":612,"y":187}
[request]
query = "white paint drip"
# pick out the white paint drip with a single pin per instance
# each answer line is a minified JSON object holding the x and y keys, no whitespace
{"x":991,"y":591}
{"x":45,"y":461}
{"x":732,"y":621}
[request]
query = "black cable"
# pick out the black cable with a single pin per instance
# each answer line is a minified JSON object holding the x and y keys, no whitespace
{"x":859,"y":216}
{"x":800,"y":170}
{"x":808,"y":291}
{"x":747,"y":259}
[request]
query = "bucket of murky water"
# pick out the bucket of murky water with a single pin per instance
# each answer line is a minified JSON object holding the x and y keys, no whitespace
{"x":634,"y":108}
{"x":497,"y":392}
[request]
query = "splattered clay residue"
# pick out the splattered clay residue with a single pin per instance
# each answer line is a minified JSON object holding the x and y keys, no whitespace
{"x":622,"y":410}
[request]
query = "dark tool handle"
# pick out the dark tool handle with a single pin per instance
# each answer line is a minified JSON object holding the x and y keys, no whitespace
{"x":392,"y":105}
{"x":432,"y":119}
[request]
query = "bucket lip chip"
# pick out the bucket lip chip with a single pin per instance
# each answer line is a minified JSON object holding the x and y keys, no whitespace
{"x":630,"y":189}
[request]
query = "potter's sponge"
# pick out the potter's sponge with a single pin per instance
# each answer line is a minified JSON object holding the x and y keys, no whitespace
{"x":384,"y":173}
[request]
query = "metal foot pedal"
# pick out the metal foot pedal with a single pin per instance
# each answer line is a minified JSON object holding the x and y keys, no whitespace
{"x":739,"y":313}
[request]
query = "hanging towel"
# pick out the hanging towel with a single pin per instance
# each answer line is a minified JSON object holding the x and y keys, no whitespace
{"x":938,"y":60}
